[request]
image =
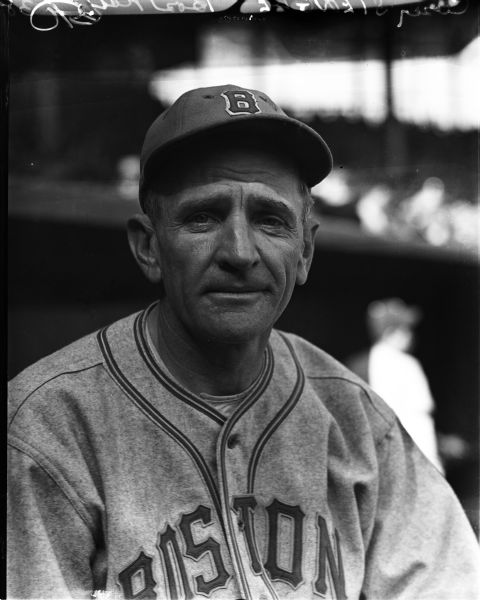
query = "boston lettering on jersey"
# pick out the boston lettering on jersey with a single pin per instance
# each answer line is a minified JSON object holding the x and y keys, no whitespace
{"x":138,"y":582}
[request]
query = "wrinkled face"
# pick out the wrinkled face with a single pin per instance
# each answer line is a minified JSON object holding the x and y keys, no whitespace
{"x":231,"y":245}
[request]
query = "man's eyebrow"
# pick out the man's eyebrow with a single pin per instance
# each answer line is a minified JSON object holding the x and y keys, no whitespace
{"x":212,"y":200}
{"x":269,"y":202}
{"x":202,"y":200}
{"x":266,"y":203}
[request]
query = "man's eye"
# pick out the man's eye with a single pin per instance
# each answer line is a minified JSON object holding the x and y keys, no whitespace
{"x":271,"y":221}
{"x":200,"y":219}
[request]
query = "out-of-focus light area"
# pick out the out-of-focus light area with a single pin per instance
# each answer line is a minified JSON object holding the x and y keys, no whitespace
{"x":443,"y":91}
{"x":430,"y":214}
{"x":330,"y":88}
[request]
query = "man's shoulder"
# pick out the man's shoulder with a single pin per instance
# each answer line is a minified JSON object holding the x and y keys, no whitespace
{"x":341,"y":391}
{"x":315,"y":362}
{"x":78,"y":357}
{"x":359,"y":363}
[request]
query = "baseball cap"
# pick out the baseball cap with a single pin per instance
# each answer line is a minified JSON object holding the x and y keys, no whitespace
{"x":392,"y":312}
{"x":232,"y":111}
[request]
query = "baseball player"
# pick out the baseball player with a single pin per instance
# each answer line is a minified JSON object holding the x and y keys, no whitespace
{"x":193,"y":451}
{"x":395,"y":374}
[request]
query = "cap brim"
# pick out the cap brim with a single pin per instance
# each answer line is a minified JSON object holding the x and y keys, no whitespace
{"x":300,"y":142}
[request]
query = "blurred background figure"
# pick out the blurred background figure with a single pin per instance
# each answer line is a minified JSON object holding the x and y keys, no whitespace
{"x":373,"y":209}
{"x":128,"y":169}
{"x":395,"y":374}
{"x":425,"y":212}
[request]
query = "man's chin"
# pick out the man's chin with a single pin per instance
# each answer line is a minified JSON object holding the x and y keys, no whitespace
{"x":235,"y":329}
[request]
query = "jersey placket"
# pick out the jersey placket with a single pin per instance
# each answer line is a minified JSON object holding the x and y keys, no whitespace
{"x":250,"y":574}
{"x":239,"y":450}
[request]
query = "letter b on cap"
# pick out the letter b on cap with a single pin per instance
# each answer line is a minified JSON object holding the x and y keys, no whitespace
{"x":240,"y":102}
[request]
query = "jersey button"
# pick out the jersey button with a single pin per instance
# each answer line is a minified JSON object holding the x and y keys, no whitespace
{"x":233,"y":440}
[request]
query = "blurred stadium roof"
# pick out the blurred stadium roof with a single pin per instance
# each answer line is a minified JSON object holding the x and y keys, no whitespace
{"x":443,"y":91}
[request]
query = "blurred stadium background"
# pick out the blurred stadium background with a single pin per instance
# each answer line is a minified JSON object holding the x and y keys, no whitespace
{"x":399,"y":216}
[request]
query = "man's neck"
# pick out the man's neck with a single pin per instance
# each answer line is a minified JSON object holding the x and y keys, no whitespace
{"x":218,"y":369}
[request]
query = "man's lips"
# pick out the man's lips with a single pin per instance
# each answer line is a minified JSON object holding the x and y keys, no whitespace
{"x":235,"y":290}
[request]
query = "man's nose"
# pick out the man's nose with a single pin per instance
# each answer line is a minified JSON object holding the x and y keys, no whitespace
{"x":237,"y":246}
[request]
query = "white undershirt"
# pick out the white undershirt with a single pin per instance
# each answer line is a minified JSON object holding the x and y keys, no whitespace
{"x":225,"y":404}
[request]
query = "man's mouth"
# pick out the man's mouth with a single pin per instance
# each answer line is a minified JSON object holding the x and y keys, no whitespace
{"x":235,"y":287}
{"x":236,"y":293}
{"x":235,"y":290}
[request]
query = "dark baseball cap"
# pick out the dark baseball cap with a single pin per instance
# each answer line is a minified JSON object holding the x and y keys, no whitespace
{"x":232,"y":111}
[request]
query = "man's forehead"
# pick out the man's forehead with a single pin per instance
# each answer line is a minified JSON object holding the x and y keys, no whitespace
{"x":246,"y":191}
{"x":245,"y":166}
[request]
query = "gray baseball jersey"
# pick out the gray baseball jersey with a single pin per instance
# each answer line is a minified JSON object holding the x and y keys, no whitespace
{"x":124,"y":481}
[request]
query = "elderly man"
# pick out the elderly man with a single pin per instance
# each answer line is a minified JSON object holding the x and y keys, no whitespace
{"x":191,"y":450}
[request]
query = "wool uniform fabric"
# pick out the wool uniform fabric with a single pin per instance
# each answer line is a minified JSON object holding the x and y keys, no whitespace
{"x":124,"y":481}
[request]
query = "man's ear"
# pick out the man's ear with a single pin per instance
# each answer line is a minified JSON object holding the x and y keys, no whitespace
{"x":144,"y":246}
{"x":309,"y":231}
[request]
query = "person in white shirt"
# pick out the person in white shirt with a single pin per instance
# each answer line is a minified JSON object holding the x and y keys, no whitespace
{"x":396,"y":375}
